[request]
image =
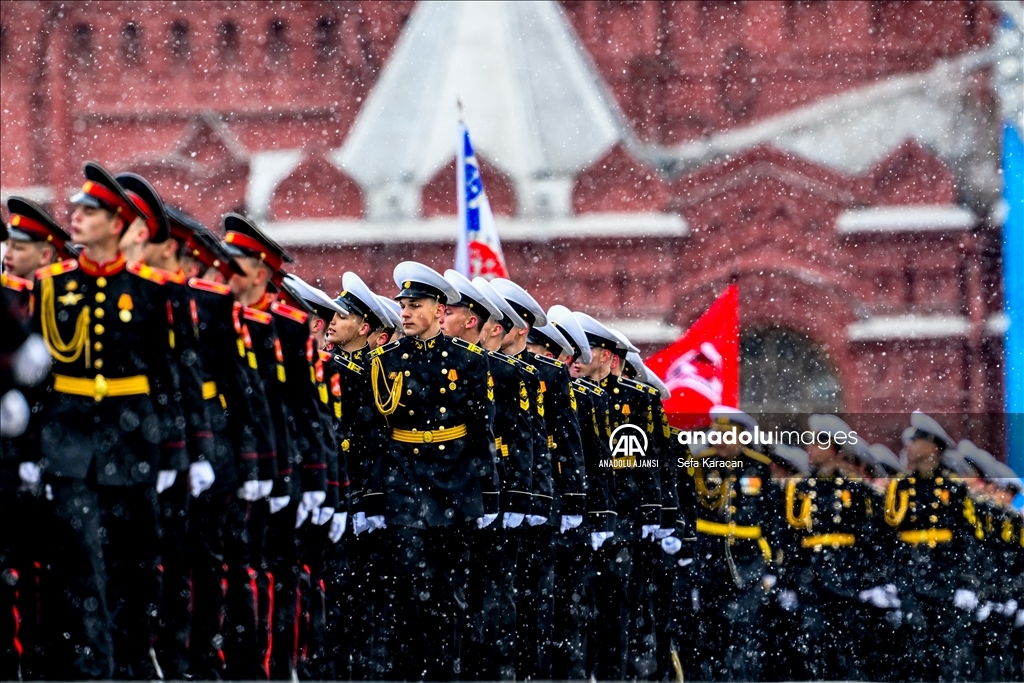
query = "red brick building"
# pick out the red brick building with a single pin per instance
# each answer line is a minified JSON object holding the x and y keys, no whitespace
{"x":838,"y":160}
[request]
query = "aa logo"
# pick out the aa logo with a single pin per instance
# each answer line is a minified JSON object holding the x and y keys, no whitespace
{"x":628,"y":441}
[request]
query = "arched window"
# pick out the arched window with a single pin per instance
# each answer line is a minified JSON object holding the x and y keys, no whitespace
{"x":326,"y":38}
{"x":81,"y":44}
{"x":277,"y":41}
{"x":131,"y":43}
{"x":178,"y":39}
{"x":782,"y":371}
{"x":230,"y":41}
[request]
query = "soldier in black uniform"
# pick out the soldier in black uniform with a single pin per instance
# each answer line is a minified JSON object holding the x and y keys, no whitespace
{"x":356,"y":591}
{"x":938,"y":530}
{"x":283,"y":346}
{"x":489,"y":646}
{"x":105,"y":431}
{"x":436,"y":395}
{"x":148,"y":240}
{"x":733,"y":552}
{"x":34,"y":239}
{"x":223,"y":634}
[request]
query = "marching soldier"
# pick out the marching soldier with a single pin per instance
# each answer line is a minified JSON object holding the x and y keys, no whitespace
{"x":103,"y":439}
{"x":732,"y":549}
{"x":358,"y":592}
{"x":436,"y":395}
{"x":223,"y":638}
{"x":287,"y":349}
{"x":938,"y":530}
{"x":489,"y":649}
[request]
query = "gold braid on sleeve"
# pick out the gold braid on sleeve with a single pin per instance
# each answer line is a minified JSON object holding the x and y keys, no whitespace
{"x":894,"y":513}
{"x":393,"y":393}
{"x":804,"y":520}
{"x":67,"y":352}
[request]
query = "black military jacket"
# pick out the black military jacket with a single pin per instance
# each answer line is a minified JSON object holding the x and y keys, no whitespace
{"x":359,"y":427}
{"x":833,"y":535}
{"x":568,"y":467}
{"x":938,"y":529}
{"x":733,"y":515}
{"x":595,"y":429}
{"x":108,"y":328}
{"x":424,"y":388}
{"x":15,"y":318}
{"x":232,"y":389}
{"x":516,"y":425}
{"x":264,"y":355}
{"x":637,"y":489}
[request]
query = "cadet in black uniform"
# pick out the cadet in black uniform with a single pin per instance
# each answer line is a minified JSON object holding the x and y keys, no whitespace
{"x":489,"y":645}
{"x":105,"y":431}
{"x":34,"y":239}
{"x":733,"y":553}
{"x":938,"y":529}
{"x":437,"y":397}
{"x":357,"y":591}
{"x":223,"y":639}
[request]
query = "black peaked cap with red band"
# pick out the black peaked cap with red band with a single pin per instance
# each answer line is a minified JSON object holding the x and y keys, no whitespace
{"x":243,"y":238}
{"x":202,"y":244}
{"x":101,"y":190}
{"x":29,"y":222}
{"x":149,"y":205}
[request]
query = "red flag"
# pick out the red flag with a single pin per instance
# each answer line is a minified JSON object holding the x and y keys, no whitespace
{"x":702,"y":368}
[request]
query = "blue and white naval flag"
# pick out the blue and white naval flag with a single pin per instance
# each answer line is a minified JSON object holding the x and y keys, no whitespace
{"x":478,"y":251}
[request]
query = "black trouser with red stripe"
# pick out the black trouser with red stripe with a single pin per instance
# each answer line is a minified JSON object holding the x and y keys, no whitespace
{"x":281,"y":556}
{"x":172,"y":641}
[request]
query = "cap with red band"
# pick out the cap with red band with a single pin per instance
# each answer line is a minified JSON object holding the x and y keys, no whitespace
{"x":29,"y":222}
{"x":102,"y":191}
{"x":243,"y":238}
{"x":202,"y":245}
{"x":148,"y":205}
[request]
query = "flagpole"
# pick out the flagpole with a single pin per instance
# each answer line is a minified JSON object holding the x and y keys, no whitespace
{"x":462,"y":243}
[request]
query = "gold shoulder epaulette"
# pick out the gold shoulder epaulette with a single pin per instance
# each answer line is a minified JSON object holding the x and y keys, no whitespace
{"x":469,"y":346}
{"x":286,"y":311}
{"x":384,"y":349}
{"x":549,"y":361}
{"x":57,"y":268}
{"x":209,"y":286}
{"x":348,"y":364}
{"x":261,"y":317}
{"x":147,"y":272}
{"x":651,"y":390}
{"x":16,"y":283}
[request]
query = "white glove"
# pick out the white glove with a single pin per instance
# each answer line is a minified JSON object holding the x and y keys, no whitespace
{"x":200,"y":477}
{"x":787,"y":599}
{"x":31,"y":362}
{"x":249,"y":491}
{"x":165,"y":479}
{"x":768,"y":581}
{"x":337,"y":526}
{"x":662,"y":533}
{"x":892,"y":596}
{"x":895,"y":618}
{"x":965,"y":599}
{"x":597,"y":538}
{"x":301,"y":515}
{"x":535,"y":520}
{"x":984,"y":611}
{"x":875,"y":596}
{"x":571,"y":522}
{"x":512,"y":519}
{"x":321,"y":516}
{"x":14,"y":414}
{"x":279,"y":503}
{"x":376,"y":522}
{"x":1018,"y":621}
{"x":359,"y":523}
{"x":30,"y":474}
{"x":685,"y":562}
{"x":48,"y":492}
{"x":1008,"y":608}
{"x":648,"y":530}
{"x":266,"y":487}
{"x":486,"y":521}
{"x":671,"y":545}
{"x":313,"y":499}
